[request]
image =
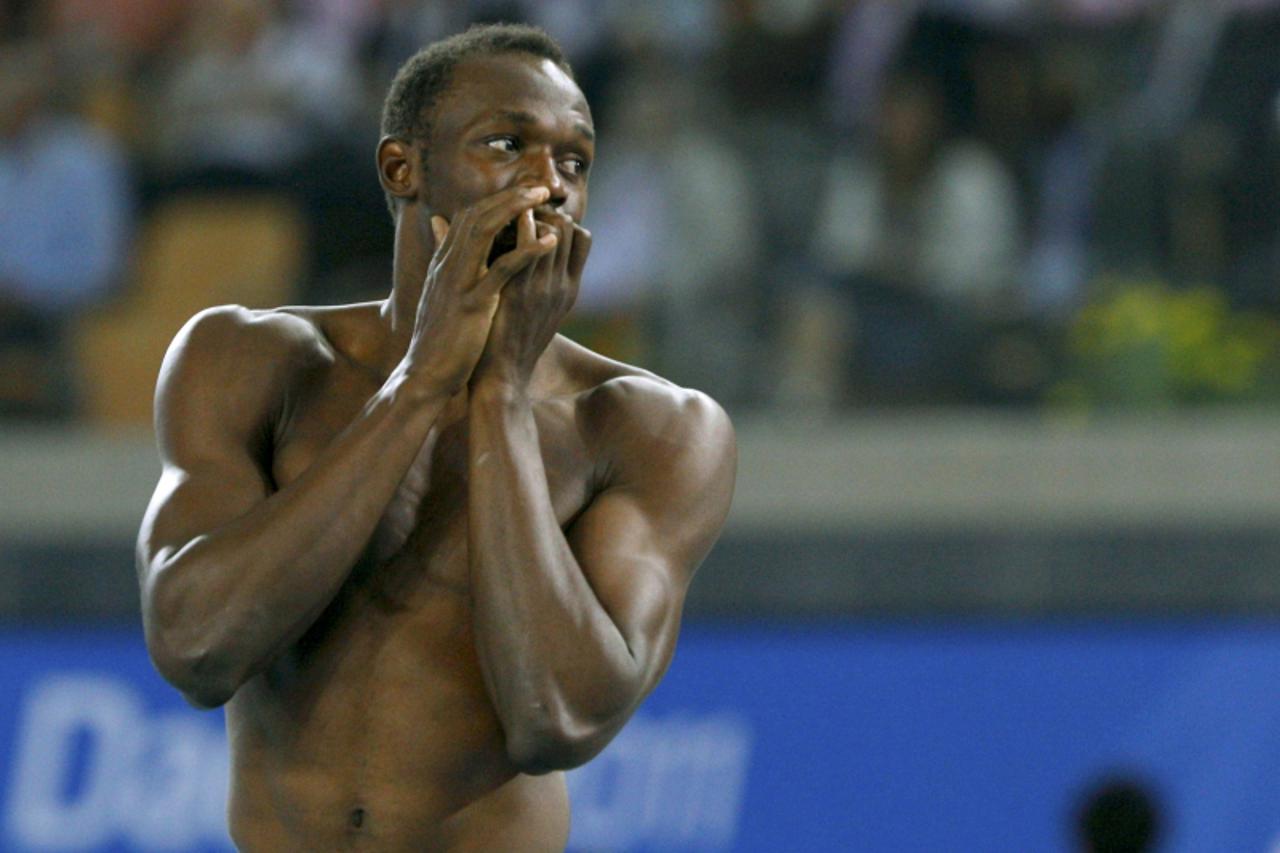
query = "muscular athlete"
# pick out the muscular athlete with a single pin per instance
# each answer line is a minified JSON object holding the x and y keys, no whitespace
{"x":426,"y":551}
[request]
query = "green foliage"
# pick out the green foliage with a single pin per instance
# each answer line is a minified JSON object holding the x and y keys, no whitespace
{"x":1142,"y":343}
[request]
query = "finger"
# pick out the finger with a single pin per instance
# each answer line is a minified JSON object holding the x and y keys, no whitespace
{"x":565,"y":250}
{"x":537,"y":280}
{"x":482,"y":221}
{"x":476,"y":226}
{"x":563,"y":224}
{"x":439,"y":229}
{"x":526,"y":233}
{"x":536,"y":273}
{"x":545,"y":234}
{"x":504,"y":205}
{"x":549,"y":237}
{"x":519,"y":258}
{"x":581,"y":248}
{"x":564,"y":265}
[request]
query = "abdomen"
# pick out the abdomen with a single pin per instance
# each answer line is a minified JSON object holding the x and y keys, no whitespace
{"x":377,"y":728}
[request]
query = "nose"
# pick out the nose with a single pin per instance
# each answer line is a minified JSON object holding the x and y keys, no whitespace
{"x":544,"y":172}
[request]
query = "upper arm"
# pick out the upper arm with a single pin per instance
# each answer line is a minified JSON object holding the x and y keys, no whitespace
{"x":213,"y":409}
{"x":662,"y":508}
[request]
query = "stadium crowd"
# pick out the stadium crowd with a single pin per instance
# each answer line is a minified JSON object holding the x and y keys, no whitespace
{"x":819,"y":204}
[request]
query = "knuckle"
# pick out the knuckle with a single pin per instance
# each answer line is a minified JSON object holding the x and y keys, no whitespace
{"x":510,"y":263}
{"x":498,"y":218}
{"x":512,"y":198}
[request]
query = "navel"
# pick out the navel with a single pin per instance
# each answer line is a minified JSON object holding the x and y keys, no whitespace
{"x":356,"y":819}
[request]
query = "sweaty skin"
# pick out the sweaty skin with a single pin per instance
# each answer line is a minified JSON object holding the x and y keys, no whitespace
{"x":427,"y":552}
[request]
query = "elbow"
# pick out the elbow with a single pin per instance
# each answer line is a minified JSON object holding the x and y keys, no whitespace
{"x":194,"y":671}
{"x":185,"y":654}
{"x":206,"y":697}
{"x":556,"y":733}
{"x":540,"y":747}
{"x":194,"y":677}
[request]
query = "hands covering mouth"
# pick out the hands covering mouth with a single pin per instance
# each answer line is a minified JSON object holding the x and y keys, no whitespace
{"x":504,"y":242}
{"x":507,"y":238}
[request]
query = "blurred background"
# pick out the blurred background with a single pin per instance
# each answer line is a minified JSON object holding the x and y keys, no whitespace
{"x":988,"y":286}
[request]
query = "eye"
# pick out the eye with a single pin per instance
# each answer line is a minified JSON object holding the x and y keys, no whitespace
{"x":507,"y":144}
{"x":574,"y":165}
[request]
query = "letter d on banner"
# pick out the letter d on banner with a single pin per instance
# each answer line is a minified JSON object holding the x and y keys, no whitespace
{"x":43,"y":810}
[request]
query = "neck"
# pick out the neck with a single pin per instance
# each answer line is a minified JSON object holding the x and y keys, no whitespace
{"x":410,"y":261}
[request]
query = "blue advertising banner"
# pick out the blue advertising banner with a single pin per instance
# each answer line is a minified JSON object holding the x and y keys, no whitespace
{"x":865,"y":736}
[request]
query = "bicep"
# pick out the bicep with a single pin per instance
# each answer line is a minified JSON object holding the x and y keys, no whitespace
{"x":642,"y":538}
{"x":195,"y":499}
{"x":637,"y":578}
{"x":208,"y":428}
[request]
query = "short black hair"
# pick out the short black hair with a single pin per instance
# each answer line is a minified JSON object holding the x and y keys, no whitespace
{"x":424,"y":77}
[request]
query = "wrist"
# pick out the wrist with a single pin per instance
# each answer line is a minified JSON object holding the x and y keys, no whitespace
{"x":499,"y":389}
{"x":419,"y":387}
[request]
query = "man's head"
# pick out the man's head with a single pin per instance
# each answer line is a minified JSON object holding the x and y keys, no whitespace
{"x":492,"y":107}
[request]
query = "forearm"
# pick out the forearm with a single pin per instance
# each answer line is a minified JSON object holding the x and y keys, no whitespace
{"x":220,"y":607}
{"x":555,"y":663}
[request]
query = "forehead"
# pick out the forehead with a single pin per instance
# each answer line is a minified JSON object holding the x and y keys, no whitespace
{"x":484,"y":85}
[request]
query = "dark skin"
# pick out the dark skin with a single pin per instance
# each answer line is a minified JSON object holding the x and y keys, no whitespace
{"x":428,"y":552}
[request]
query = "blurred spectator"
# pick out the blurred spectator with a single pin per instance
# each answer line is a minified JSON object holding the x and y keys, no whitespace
{"x":401,"y":27}
{"x":676,"y":235}
{"x":869,"y":37}
{"x":917,"y":238}
{"x":251,"y":92}
{"x":708,"y":294}
{"x":132,"y":27}
{"x":628,"y":216}
{"x":1202,"y":158}
{"x":776,"y":52}
{"x":919,"y":233}
{"x":1240,"y":96}
{"x":65,"y":212}
{"x":1062,"y":186}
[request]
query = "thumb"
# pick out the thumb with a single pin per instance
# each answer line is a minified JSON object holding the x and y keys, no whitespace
{"x":439,"y":229}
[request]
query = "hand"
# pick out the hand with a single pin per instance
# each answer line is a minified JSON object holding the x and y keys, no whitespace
{"x":537,"y":299}
{"x":461,"y":292}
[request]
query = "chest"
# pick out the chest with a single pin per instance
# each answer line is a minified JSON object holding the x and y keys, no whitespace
{"x":420,"y":541}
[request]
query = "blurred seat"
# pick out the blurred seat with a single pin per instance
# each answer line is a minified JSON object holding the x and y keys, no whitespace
{"x":193,"y":252}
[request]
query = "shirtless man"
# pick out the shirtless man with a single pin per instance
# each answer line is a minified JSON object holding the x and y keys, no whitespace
{"x":427,"y":552}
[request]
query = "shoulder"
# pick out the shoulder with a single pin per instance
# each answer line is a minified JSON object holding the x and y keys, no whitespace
{"x":233,"y":364}
{"x":666,"y":460}
{"x":646,"y":428}
{"x":651,"y":409}
{"x":622,"y":399}
{"x":226,"y":340}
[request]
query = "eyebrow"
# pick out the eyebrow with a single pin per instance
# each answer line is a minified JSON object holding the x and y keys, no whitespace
{"x":521,"y":117}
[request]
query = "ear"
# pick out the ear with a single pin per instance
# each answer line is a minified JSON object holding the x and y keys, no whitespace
{"x":397,"y":169}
